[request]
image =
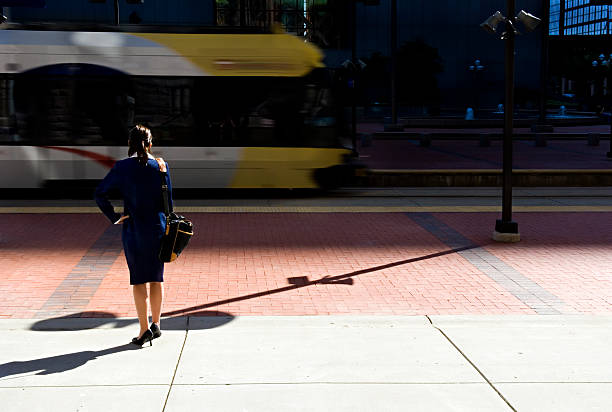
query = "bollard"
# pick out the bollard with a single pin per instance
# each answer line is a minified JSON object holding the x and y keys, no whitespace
{"x":540,"y":140}
{"x":484,"y":140}
{"x":593,"y":139}
{"x":424,"y":140}
{"x":469,"y":114}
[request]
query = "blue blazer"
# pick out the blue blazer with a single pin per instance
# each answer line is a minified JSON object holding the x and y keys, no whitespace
{"x":140,"y":188}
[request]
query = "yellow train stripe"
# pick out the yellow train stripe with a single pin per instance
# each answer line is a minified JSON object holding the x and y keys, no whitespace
{"x":321,"y":209}
{"x":279,"y":167}
{"x":242,"y":54}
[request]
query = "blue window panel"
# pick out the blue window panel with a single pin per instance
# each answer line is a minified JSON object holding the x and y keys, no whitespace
{"x":22,"y":3}
{"x":175,"y":12}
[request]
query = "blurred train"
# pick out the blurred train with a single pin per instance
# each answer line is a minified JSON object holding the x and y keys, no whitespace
{"x":227,"y":110}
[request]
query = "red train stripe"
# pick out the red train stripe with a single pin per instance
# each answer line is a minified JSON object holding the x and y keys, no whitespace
{"x":106,"y":161}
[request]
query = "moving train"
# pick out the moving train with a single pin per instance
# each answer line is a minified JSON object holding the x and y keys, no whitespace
{"x":227,"y":109}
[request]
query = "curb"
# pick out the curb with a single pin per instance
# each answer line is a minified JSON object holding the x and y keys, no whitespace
{"x":484,"y":178}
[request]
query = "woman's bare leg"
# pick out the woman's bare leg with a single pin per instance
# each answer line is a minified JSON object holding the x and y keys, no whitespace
{"x":140,"y":299}
{"x":157,"y":296}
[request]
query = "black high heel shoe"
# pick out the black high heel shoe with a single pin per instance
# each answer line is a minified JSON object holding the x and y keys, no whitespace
{"x":147,"y":336}
{"x":155,"y":330}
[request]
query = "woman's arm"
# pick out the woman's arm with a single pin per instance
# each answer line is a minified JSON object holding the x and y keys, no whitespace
{"x":110,"y":183}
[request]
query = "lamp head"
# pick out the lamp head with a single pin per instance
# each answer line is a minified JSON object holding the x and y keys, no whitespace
{"x":492,"y":22}
{"x":529,"y":20}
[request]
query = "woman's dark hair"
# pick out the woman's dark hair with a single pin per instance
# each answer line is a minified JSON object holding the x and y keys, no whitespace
{"x":139,"y":140}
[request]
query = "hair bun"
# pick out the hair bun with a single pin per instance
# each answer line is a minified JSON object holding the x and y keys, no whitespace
{"x":145,"y":133}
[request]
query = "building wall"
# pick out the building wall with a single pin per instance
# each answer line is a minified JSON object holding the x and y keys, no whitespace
{"x":452,"y":27}
{"x":171,"y":12}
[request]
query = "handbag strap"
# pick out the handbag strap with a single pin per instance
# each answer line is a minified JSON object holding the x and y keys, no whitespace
{"x":164,"y":186}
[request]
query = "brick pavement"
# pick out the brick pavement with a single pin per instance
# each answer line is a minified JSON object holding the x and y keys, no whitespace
{"x":466,"y":154}
{"x":317,"y":263}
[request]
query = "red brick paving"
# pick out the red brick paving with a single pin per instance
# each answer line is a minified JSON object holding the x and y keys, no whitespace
{"x":36,"y":253}
{"x":568,"y":254}
{"x":466,"y":154}
{"x":234,"y":255}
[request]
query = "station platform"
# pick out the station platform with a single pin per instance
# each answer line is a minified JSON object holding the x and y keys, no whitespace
{"x":360,"y":300}
{"x":428,"y":157}
{"x":358,"y":251}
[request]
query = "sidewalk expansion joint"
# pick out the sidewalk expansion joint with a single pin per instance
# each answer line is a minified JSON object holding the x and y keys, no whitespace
{"x":178,"y":362}
{"x":329,"y":383}
{"x":473,"y":364}
{"x":101,"y":385}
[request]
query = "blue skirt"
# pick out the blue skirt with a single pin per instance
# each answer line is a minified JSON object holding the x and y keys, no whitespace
{"x":141,"y":244}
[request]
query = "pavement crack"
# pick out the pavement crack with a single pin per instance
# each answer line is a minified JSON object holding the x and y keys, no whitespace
{"x":178,"y":362}
{"x":473,"y":364}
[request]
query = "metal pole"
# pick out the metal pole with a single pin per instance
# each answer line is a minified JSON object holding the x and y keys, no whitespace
{"x":562,"y":19}
{"x":394,"y":62}
{"x":354,"y":88}
{"x":242,"y":7}
{"x":544,"y":60}
{"x":505,"y":225}
{"x":609,"y":154}
{"x":116,"y":12}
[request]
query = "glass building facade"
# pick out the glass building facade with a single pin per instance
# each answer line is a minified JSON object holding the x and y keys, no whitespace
{"x":323,"y":22}
{"x":579,"y":18}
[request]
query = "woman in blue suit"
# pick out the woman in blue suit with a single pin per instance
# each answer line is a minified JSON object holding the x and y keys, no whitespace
{"x":137,"y":180}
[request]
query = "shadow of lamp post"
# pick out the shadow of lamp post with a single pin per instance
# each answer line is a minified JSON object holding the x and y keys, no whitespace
{"x":505,"y":229}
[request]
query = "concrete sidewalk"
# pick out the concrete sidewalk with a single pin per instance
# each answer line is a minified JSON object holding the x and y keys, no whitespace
{"x":322,"y":363}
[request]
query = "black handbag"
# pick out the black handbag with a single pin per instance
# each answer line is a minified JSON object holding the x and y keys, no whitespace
{"x":178,"y":228}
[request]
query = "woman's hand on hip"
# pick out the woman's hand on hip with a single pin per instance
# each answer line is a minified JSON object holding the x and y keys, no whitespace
{"x":122,"y":219}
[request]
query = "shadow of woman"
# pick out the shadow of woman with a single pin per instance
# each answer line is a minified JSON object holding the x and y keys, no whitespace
{"x":92,"y":320}
{"x":59,"y":363}
{"x":98,"y":319}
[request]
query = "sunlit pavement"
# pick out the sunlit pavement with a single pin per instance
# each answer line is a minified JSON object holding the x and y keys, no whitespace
{"x":416,"y":307}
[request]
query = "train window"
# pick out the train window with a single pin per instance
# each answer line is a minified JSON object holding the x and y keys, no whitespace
{"x":90,"y":108}
{"x":53,"y":108}
{"x":7,"y":111}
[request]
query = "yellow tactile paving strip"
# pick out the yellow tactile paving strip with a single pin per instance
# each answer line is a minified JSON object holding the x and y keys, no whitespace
{"x":320,"y":209}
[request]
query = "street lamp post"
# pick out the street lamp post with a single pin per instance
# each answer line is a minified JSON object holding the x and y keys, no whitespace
{"x":354,"y":90}
{"x":505,"y":229}
{"x":394,"y":126}
{"x":605,"y":88}
{"x":476,"y":68}
{"x":394,"y":62}
{"x":116,"y":12}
